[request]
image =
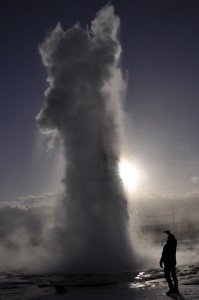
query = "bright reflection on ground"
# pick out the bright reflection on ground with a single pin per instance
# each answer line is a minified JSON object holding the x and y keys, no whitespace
{"x":129,"y":174}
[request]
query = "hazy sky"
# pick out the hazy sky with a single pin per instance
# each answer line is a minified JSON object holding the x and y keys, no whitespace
{"x":160,"y":41}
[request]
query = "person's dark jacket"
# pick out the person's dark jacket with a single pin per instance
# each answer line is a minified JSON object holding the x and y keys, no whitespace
{"x":169,"y":252}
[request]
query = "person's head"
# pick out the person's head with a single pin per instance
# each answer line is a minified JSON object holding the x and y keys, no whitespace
{"x":167,"y":232}
{"x":170,"y":235}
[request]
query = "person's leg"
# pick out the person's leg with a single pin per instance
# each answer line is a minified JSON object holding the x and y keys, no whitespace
{"x":175,"y":280}
{"x":168,"y":277}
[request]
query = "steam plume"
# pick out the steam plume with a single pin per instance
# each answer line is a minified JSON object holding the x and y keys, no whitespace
{"x":82,"y":105}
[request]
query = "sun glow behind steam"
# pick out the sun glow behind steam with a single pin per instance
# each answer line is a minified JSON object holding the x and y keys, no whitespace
{"x":129,"y":174}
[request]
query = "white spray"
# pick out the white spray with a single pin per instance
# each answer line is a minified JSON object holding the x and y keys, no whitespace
{"x":82,"y":104}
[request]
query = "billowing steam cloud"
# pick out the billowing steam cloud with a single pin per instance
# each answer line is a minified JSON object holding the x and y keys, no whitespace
{"x":82,"y":106}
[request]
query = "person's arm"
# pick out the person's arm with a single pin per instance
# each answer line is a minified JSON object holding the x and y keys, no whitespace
{"x":162,"y":258}
{"x":161,"y":262}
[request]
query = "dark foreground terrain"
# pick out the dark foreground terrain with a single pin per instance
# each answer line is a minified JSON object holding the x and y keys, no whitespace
{"x":148,"y":284}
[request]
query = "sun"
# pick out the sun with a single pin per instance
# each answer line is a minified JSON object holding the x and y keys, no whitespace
{"x":129,"y":174}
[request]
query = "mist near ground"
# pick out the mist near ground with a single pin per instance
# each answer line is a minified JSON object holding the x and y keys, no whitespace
{"x":27,"y":226}
{"x":151,"y":214}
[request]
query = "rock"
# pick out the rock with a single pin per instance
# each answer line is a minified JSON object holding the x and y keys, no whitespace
{"x":60,"y":289}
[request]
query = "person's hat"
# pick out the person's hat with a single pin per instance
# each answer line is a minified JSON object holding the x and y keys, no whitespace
{"x":167,"y":231}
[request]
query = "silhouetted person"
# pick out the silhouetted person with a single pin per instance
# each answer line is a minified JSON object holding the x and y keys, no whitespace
{"x":169,"y":260}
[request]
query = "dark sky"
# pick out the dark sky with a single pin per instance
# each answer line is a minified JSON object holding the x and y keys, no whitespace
{"x":160,"y":41}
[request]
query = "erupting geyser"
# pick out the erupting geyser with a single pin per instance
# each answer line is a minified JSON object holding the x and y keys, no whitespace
{"x":82,"y":105}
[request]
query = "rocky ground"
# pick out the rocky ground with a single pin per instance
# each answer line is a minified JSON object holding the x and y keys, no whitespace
{"x":148,"y":284}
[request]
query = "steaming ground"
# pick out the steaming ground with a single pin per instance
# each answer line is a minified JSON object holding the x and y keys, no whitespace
{"x":24,"y":245}
{"x":27,"y":225}
{"x":144,"y":284}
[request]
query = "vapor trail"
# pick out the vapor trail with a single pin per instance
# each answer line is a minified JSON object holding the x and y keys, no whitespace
{"x":82,"y":104}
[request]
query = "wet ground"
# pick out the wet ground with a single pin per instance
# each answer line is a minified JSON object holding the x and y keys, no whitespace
{"x":148,"y":284}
